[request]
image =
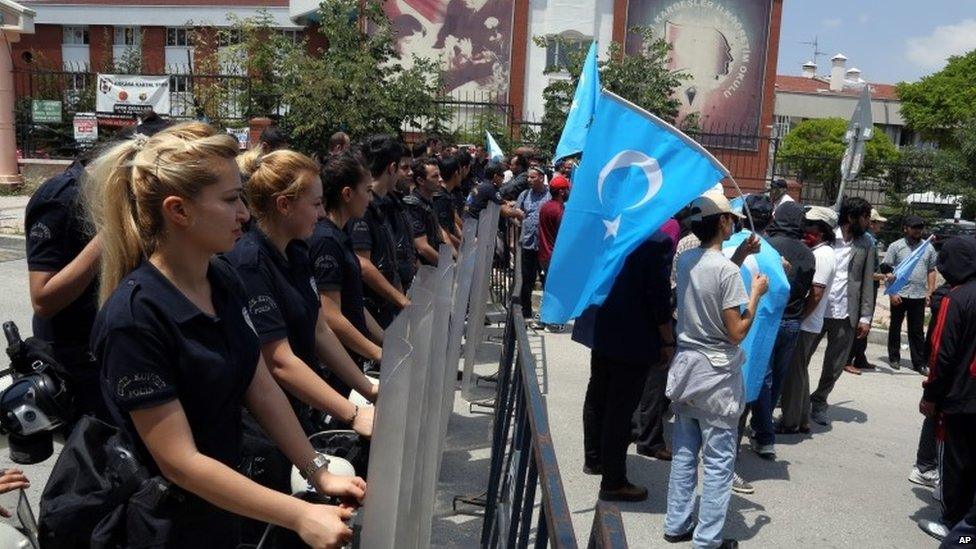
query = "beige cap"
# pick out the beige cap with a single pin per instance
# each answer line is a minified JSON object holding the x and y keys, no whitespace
{"x":875,"y":216}
{"x":711,"y":203}
{"x":822,"y":213}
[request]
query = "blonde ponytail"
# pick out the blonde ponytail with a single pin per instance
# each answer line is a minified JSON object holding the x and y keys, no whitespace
{"x":130,"y":181}
{"x":278,"y":173}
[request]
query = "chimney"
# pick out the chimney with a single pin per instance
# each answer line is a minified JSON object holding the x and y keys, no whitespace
{"x":854,"y":75}
{"x":837,"y":73}
{"x":809,"y":69}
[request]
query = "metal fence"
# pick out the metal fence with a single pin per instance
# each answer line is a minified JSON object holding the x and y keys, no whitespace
{"x":470,"y":114}
{"x":229,"y":99}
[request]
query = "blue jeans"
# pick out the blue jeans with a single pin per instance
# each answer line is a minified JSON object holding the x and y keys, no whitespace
{"x":717,"y":448}
{"x":779,"y":365}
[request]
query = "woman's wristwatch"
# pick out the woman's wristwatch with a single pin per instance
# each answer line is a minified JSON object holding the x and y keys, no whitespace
{"x":319,"y":461}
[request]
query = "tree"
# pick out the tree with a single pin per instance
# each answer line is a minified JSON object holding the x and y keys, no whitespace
{"x":937,"y":103}
{"x":357,"y":84}
{"x":642,"y":78}
{"x":814,"y":149}
{"x":954,"y":168}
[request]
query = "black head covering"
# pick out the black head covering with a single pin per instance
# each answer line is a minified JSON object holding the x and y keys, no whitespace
{"x":957,"y":260}
{"x":787,"y":221}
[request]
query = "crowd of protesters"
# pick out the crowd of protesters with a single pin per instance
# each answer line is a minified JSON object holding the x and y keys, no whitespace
{"x":196,"y":294}
{"x":684,"y":299}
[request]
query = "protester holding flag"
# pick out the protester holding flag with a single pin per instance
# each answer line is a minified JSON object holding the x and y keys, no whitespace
{"x":705,"y":381}
{"x":916,"y":293}
{"x":851,"y":306}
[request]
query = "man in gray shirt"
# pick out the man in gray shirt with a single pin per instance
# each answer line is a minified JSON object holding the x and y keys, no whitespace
{"x":531,"y":201}
{"x":912,"y":299}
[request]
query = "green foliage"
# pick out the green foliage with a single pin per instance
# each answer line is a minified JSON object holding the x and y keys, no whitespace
{"x":357,"y":85}
{"x":954,"y":168}
{"x":937,"y":103}
{"x":642,"y":78}
{"x":814,"y":149}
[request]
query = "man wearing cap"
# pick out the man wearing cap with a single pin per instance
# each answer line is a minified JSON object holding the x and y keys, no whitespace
{"x":818,"y":234}
{"x":777,"y":193}
{"x":912,"y":299}
{"x":851,"y":299}
{"x":550,"y":216}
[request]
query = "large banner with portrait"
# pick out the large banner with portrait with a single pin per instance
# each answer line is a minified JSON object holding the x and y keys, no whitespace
{"x":721,"y":45}
{"x":471,"y":38}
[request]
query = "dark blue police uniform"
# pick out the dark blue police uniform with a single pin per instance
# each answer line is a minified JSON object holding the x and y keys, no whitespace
{"x":423,"y":222}
{"x":155,"y":346}
{"x":374,"y":233}
{"x":56,"y":233}
{"x":443,"y":203}
{"x":282,"y":300}
{"x":336,"y":268}
{"x":406,"y":253}
{"x":479,"y":198}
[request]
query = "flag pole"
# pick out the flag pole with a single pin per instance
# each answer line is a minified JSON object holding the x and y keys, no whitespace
{"x":745,"y":207}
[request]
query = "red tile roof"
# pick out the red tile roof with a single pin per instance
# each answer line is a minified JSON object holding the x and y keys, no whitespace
{"x":801,"y":84}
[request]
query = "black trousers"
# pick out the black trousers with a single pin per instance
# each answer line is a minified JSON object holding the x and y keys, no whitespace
{"x":958,"y":467}
{"x":649,"y":417}
{"x":611,"y":396}
{"x":530,"y":272}
{"x":914,"y":309}
{"x":927,"y":455}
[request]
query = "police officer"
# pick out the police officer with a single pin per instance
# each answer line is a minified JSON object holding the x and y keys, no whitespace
{"x":62,"y":260}
{"x":427,"y":237}
{"x":372,"y":233}
{"x":487,"y":191}
{"x":396,"y":212}
{"x":443,"y":199}
{"x":338,"y":275}
{"x":285,"y":195}
{"x":178,"y":352}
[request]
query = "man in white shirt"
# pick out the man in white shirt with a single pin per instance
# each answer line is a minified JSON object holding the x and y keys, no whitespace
{"x":850,"y":304}
{"x":778,"y":194}
{"x":819,"y":230}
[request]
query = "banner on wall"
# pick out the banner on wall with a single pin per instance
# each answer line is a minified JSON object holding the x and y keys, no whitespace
{"x":472,"y":39}
{"x":132,"y":95}
{"x":721,"y":46}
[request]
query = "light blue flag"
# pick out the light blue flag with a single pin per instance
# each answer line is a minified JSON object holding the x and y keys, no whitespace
{"x":904,"y":269}
{"x":581,"y":111}
{"x":494,"y":151}
{"x":759,"y":342}
{"x":637,"y":171}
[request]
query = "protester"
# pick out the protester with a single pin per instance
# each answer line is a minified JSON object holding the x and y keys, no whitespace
{"x":631,"y":334}
{"x":550,"y":217}
{"x":820,"y":224}
{"x":705,"y":379}
{"x":427,"y":234}
{"x":285,"y":195}
{"x":851,"y":299}
{"x":443,"y":199}
{"x":166,"y":205}
{"x":785,"y":235}
{"x":910,"y":301}
{"x":273,"y":138}
{"x":950,"y":391}
{"x":62,"y":264}
{"x":778,"y":193}
{"x":519,"y":181}
{"x":857,"y":361}
{"x":338,"y":275}
{"x":373,"y":234}
{"x":530,"y":202}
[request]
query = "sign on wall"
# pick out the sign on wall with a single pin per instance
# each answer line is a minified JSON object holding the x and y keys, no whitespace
{"x":128,"y":94}
{"x":471,"y":38}
{"x":721,"y":45}
{"x":46,"y":111}
{"x":86,"y":127}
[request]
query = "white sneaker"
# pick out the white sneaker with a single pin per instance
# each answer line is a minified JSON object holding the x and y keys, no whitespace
{"x":928,"y":478}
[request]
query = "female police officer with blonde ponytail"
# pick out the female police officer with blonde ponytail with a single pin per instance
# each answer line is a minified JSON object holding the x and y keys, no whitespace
{"x":178,"y":354}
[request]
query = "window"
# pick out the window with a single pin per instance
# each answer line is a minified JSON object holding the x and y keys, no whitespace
{"x":229,"y":37}
{"x":559,"y":48}
{"x":75,"y":35}
{"x":126,"y":36}
{"x":179,"y":84}
{"x":179,"y":36}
